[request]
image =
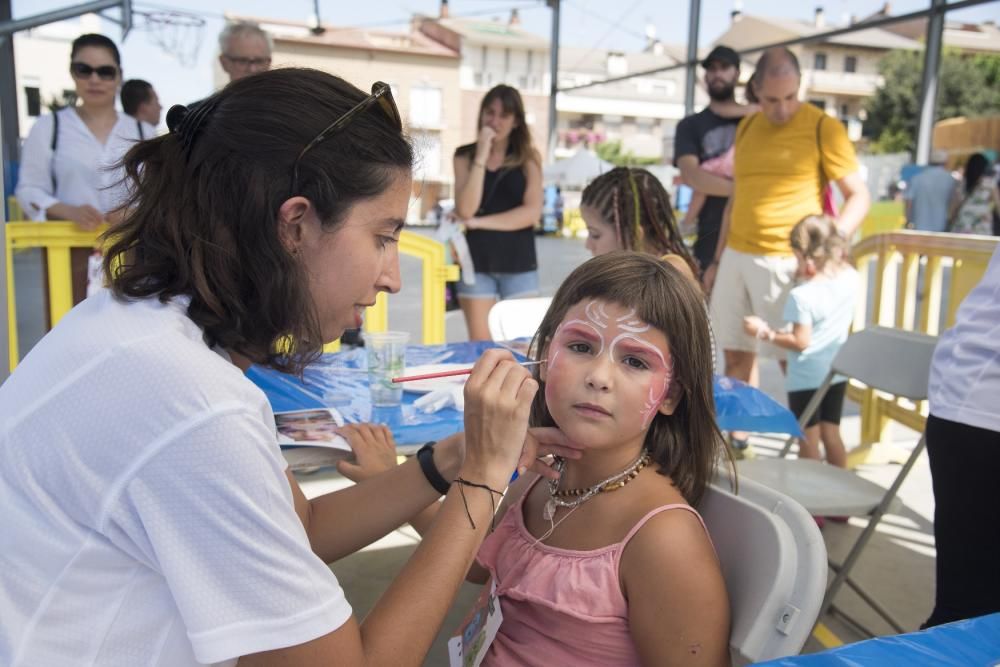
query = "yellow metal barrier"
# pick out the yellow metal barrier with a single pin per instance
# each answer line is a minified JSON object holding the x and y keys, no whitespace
{"x":896,"y":258}
{"x":58,"y":237}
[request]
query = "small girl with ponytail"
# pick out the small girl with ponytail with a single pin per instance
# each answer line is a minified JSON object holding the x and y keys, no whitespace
{"x":818,"y":315}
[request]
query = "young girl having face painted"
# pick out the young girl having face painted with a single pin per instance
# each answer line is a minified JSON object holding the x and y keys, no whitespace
{"x":601,"y":566}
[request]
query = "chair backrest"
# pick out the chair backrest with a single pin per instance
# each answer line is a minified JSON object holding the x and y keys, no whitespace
{"x":774,"y":562}
{"x":517,"y":318}
{"x":891,"y":360}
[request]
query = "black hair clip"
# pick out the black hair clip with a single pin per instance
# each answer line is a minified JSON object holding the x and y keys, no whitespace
{"x":185,"y":122}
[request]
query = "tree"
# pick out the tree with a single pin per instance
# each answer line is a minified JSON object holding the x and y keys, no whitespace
{"x":967,"y":86}
{"x":611,"y":151}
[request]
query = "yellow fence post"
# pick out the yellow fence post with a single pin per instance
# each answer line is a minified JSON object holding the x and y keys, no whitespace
{"x":894,"y":305}
{"x":58,"y":237}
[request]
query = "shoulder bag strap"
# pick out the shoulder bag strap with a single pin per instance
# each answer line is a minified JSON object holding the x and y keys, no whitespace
{"x":52,"y":144}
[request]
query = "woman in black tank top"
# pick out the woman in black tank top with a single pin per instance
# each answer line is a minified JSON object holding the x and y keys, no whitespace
{"x":498,"y":197}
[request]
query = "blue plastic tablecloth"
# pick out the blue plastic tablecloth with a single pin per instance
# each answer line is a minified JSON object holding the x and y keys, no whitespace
{"x":972,"y":642}
{"x":339,"y":380}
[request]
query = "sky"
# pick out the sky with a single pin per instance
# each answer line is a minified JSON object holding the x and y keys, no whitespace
{"x":604,"y":24}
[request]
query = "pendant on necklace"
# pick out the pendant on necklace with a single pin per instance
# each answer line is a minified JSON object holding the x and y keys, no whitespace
{"x":549,"y":510}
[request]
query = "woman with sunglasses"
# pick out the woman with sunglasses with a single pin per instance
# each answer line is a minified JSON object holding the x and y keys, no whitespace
{"x":66,"y":158}
{"x":149,"y":517}
{"x":498,"y":197}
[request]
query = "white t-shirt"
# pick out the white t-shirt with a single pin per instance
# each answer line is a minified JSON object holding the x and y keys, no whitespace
{"x":965,"y":371}
{"x":82,"y":164}
{"x":146,"y":517}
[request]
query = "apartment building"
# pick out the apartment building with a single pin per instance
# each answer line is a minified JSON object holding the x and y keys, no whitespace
{"x":492,"y":52}
{"x":640,"y":112}
{"x":423,"y":74}
{"x":838,"y":73}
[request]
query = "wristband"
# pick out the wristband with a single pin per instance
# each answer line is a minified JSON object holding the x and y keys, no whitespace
{"x":425,"y":457}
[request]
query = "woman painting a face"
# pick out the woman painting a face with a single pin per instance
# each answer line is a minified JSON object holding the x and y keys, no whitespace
{"x":165,"y":515}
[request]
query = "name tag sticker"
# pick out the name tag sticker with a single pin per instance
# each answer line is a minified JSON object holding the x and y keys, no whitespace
{"x":468,"y":647}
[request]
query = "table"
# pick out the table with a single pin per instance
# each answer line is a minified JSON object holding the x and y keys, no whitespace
{"x":339,"y":380}
{"x":971,"y":642}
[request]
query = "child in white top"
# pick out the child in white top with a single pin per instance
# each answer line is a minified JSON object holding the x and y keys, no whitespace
{"x":818,"y":316}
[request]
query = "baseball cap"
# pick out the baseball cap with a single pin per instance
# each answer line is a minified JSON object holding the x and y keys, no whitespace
{"x":722,"y":54}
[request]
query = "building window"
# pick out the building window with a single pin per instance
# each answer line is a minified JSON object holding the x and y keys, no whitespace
{"x":819,"y":61}
{"x":851,"y":64}
{"x":425,"y":106}
{"x":33,"y":97}
{"x":844,"y":111}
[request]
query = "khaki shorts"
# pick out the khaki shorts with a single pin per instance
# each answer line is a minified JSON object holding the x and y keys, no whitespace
{"x":750,"y":285}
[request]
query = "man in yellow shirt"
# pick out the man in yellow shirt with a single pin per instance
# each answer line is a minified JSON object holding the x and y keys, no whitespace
{"x":786,"y":154}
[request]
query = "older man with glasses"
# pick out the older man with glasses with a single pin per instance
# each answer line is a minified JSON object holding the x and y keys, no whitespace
{"x":244,"y":49}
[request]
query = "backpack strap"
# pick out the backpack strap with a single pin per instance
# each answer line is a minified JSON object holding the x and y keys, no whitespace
{"x":742,"y":131}
{"x":52,"y":144}
{"x":819,"y":148}
{"x":138,"y":124}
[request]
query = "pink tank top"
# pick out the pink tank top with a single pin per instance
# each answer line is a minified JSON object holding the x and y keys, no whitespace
{"x":560,"y":606}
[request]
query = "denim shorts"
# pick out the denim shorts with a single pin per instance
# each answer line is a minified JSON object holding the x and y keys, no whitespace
{"x":500,"y":286}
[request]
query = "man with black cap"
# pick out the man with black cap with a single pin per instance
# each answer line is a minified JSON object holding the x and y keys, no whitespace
{"x":708,"y":135}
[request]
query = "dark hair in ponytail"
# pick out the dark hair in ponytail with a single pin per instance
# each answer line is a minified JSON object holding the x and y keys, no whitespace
{"x":202,"y":217}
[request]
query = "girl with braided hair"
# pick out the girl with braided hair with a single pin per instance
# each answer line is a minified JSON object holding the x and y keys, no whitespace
{"x":629,"y":209}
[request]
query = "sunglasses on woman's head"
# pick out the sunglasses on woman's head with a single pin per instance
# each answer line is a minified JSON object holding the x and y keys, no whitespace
{"x":381,"y":94}
{"x":84,"y":71}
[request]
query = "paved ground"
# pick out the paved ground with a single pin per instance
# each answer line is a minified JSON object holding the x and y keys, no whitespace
{"x":897,"y":568}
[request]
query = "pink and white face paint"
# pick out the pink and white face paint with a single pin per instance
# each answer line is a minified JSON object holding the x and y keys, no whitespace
{"x":603,"y":355}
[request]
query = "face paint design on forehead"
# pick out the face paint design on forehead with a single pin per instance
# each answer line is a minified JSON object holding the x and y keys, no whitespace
{"x":624,"y":328}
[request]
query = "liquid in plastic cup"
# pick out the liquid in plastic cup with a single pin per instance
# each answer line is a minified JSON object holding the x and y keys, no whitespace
{"x":386,"y":360}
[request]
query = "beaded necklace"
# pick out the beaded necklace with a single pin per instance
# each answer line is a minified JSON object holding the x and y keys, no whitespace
{"x":558,"y":498}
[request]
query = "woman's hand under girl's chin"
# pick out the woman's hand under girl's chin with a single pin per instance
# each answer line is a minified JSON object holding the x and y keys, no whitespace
{"x":542,"y":442}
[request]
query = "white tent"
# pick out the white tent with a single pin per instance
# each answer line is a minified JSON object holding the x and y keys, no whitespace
{"x":576,"y":171}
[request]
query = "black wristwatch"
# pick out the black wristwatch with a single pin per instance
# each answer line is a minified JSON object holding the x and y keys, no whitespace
{"x":425,"y":457}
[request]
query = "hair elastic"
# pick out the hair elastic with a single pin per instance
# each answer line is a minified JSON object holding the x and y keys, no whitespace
{"x":185,"y":122}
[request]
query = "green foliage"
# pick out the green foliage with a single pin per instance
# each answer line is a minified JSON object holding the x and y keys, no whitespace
{"x":611,"y":151}
{"x":967,"y":86}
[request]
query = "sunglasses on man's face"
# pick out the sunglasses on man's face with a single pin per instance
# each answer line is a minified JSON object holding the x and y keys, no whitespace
{"x":85,"y":71}
{"x":381,"y":95}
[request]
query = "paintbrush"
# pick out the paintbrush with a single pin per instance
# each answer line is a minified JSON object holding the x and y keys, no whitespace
{"x":444,"y":374}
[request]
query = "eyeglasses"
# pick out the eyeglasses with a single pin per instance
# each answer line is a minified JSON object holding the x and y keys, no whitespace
{"x":247,"y":63}
{"x":381,"y":94}
{"x":84,"y":71}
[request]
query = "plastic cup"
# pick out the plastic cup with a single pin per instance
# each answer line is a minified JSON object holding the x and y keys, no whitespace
{"x":386,"y":360}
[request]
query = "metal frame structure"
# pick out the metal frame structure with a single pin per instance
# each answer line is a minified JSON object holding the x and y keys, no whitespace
{"x":932,"y":59}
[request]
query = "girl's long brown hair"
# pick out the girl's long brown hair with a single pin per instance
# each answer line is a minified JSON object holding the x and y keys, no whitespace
{"x":686,"y":444}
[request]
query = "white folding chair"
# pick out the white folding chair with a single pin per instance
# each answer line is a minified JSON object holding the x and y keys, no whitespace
{"x":888,"y":360}
{"x":774,"y":562}
{"x":517,"y":318}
